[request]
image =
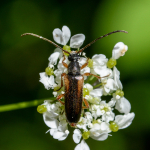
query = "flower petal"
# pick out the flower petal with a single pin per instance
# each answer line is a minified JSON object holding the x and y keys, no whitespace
{"x":119,"y":50}
{"x":88,"y":86}
{"x":97,"y":92}
{"x":101,"y":137}
{"x":105,"y":127}
{"x":52,"y":131}
{"x":103,"y":71}
{"x":82,"y":61}
{"x":108,"y":117}
{"x":99,"y":59}
{"x":58,"y":135}
{"x":124,"y":121}
{"x":77,"y":135}
{"x":54,"y":56}
{"x":57,"y":35}
{"x":63,"y":36}
{"x":123,"y":105}
{"x":50,"y":122}
{"x":117,"y":78}
{"x":47,"y":81}
{"x":110,"y":84}
{"x":66,"y":34}
{"x":64,"y":136}
{"x":111,"y":103}
{"x":77,"y":40}
{"x":82,"y":146}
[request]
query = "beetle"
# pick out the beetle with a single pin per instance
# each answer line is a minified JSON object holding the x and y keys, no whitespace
{"x":74,"y":81}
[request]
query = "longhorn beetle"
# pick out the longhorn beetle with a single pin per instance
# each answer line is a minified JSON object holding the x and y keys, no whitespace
{"x":74,"y":81}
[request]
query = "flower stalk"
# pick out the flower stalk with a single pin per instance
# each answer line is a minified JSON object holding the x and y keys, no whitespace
{"x":20,"y":105}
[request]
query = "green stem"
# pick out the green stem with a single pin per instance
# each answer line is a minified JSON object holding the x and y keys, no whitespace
{"x":20,"y":105}
{"x":89,"y":79}
{"x":97,"y":85}
{"x":93,"y":81}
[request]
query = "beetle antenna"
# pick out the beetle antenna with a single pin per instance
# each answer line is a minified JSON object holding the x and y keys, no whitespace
{"x":45,"y":39}
{"x":100,"y":38}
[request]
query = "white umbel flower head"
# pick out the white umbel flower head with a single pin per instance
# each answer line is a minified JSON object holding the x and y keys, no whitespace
{"x":97,"y":117}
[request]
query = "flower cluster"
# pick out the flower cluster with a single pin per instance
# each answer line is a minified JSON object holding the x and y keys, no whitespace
{"x":99,"y":120}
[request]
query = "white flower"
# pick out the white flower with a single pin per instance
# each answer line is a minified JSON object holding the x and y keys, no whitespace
{"x":122,"y":104}
{"x":82,"y":146}
{"x":52,"y":113}
{"x":103,"y":71}
{"x":54,"y":56}
{"x":100,"y":131}
{"x":48,"y":81}
{"x":59,"y":128}
{"x":62,"y":37}
{"x":123,"y":121}
{"x":77,"y":135}
{"x":50,"y":120}
{"x":108,"y":85}
{"x":58,"y":73}
{"x":95,"y":110}
{"x":96,"y":92}
{"x":119,"y":50}
{"x":89,"y":118}
{"x":93,"y":92}
{"x":106,"y":111}
{"x":99,"y":65}
{"x":93,"y":100}
{"x":59,"y":134}
{"x":99,"y":60}
{"x":82,"y":124}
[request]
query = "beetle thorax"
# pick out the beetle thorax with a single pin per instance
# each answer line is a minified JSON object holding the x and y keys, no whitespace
{"x":74,"y":68}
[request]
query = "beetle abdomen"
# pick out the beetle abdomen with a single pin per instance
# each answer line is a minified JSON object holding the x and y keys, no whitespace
{"x":73,"y":97}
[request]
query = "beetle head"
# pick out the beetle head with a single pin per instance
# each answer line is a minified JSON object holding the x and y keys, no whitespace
{"x":73,"y":56}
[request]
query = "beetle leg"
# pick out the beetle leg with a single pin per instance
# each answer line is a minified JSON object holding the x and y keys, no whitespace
{"x":63,"y":74}
{"x":59,"y":97}
{"x":86,"y":104}
{"x":88,"y":74}
{"x":84,"y":65}
{"x":64,"y":64}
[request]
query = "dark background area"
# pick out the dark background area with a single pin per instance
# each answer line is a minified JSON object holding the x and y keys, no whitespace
{"x":22,"y":59}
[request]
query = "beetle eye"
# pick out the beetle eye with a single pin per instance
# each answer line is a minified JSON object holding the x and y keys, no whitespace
{"x":69,"y":58}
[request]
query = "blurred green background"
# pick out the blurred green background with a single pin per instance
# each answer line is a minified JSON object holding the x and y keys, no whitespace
{"x":22,"y":59}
